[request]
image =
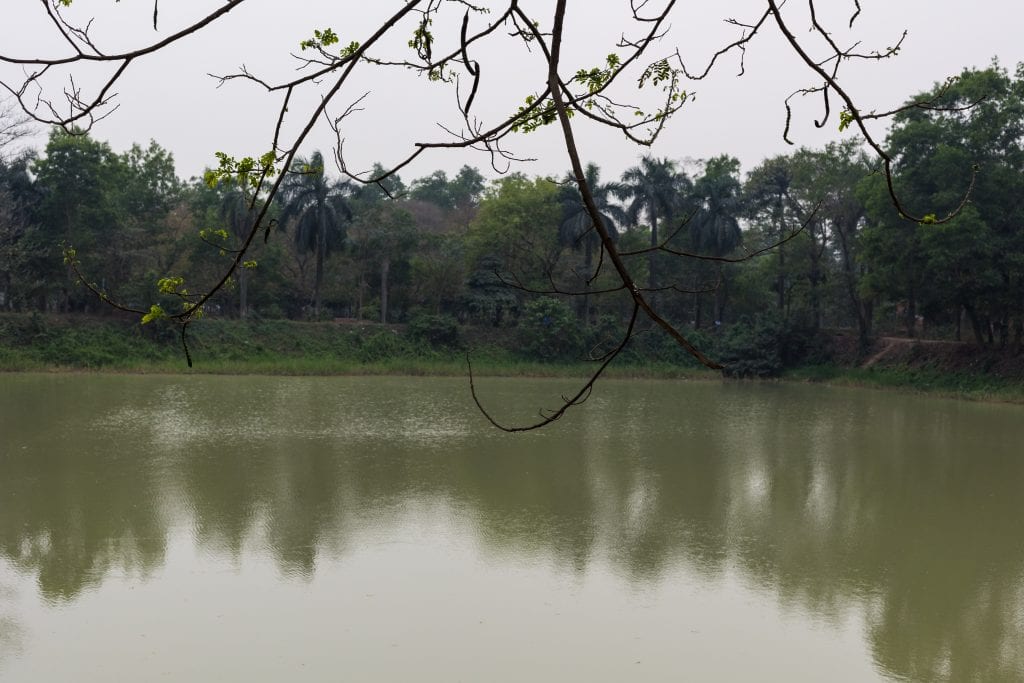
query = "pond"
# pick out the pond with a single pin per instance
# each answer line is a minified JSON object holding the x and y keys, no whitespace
{"x":378,"y":529}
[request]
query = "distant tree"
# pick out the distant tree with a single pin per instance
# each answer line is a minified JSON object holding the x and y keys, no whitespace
{"x":19,"y":239}
{"x":975,"y":262}
{"x":236,"y":211}
{"x":517,"y":223}
{"x":488,"y":298}
{"x":576,"y":230}
{"x":15,"y":128}
{"x":653,"y":190}
{"x":462,"y":191}
{"x":317,"y":210}
{"x":714,"y":226}
{"x":823,"y":196}
{"x":383,"y":233}
{"x":79,"y":181}
{"x":766,"y":192}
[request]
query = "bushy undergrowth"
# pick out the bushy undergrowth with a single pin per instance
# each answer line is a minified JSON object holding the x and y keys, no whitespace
{"x":548,"y":342}
{"x":764,"y":345}
{"x":549,"y":331}
{"x":438,"y":330}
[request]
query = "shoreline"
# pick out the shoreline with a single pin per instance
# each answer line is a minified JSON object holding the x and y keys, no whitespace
{"x":900,"y":379}
{"x":83,"y":345}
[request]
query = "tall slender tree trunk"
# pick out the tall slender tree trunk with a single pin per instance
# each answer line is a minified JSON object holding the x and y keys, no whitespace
{"x":360,"y":295}
{"x":697,"y":305}
{"x":719,"y":299}
{"x":385,"y":267}
{"x":979,"y":333}
{"x":780,"y":279}
{"x":318,"y":278}
{"x":652,"y":279}
{"x":588,"y":263}
{"x":243,"y":292}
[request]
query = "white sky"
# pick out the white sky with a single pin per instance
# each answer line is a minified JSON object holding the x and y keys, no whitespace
{"x":170,"y":98}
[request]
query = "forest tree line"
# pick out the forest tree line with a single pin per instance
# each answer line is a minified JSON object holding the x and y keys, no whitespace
{"x":801,"y":243}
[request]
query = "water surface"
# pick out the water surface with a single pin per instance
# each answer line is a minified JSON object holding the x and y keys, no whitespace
{"x":312,"y":529}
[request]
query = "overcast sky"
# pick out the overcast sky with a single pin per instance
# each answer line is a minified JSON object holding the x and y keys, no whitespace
{"x":169,"y":96}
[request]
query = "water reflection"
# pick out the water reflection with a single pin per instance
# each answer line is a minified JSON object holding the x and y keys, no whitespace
{"x":830,"y":502}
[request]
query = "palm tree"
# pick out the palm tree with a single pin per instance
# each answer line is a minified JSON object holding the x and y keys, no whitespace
{"x":318,"y":209}
{"x":715,"y":228}
{"x":653,"y":189}
{"x":577,"y":227}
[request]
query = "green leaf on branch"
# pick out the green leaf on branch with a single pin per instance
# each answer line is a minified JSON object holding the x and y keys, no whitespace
{"x":155,"y":313}
{"x":320,"y":40}
{"x":171,"y":285}
{"x":247,"y":171}
{"x":845,"y":119}
{"x":530,"y":120}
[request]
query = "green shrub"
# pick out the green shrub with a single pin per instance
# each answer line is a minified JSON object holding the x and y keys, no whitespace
{"x":764,"y":345}
{"x":753,"y":347}
{"x":549,"y":331}
{"x":383,"y":345}
{"x":440,"y":331}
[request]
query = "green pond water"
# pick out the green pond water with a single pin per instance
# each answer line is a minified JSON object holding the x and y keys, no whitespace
{"x":378,"y":529}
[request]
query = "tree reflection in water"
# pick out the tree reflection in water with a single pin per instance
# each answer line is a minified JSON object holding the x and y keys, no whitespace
{"x":829,"y":500}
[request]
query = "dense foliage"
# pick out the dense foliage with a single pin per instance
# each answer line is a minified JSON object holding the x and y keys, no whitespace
{"x":517,"y":254}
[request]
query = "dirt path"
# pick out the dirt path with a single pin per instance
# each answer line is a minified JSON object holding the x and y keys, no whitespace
{"x":895,"y":345}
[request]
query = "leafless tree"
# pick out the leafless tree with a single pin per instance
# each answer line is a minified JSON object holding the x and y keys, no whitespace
{"x":565,"y":97}
{"x":15,"y":127}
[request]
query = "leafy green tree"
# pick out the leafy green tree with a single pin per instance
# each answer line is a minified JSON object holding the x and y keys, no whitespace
{"x":383,"y":233}
{"x":766,"y":194}
{"x":517,"y":224}
{"x":973,"y":122}
{"x":823,"y":197}
{"x":20,"y":239}
{"x":487,"y":296}
{"x":143,"y":240}
{"x":462,"y":191}
{"x":79,"y":180}
{"x":317,"y":210}
{"x":438,"y":271}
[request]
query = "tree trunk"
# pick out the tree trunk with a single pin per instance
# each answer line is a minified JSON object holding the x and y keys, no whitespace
{"x":360,"y":292}
{"x":318,"y":278}
{"x":588,"y":263}
{"x":243,"y":292}
{"x":385,"y":267}
{"x":979,"y":334}
{"x":780,"y":280}
{"x":652,"y":256}
{"x":719,"y":299}
{"x":910,"y":319}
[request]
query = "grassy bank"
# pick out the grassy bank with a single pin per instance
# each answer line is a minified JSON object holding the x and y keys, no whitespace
{"x":962,"y":385}
{"x":77,"y":343}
